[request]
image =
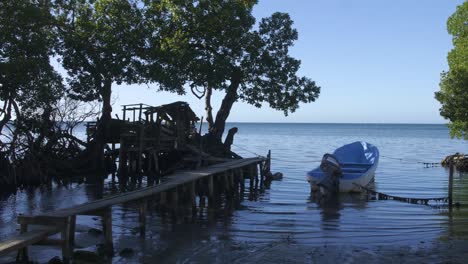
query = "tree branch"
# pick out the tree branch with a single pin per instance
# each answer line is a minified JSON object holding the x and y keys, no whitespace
{"x":198,"y":93}
{"x":208,"y":108}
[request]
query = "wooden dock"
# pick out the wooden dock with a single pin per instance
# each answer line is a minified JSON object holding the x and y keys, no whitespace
{"x":232,"y":174}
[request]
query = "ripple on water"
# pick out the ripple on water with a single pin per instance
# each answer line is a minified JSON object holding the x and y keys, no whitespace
{"x":285,"y":210}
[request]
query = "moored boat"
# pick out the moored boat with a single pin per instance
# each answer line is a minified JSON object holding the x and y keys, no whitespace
{"x":357,"y":163}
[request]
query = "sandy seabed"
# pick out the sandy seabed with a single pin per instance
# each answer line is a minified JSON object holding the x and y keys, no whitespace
{"x":284,"y":250}
{"x":453,"y":251}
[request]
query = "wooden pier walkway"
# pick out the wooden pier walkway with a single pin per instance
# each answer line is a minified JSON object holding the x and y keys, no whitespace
{"x":63,"y":221}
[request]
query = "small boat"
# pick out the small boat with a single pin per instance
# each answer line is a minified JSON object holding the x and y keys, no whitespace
{"x":356,"y":164}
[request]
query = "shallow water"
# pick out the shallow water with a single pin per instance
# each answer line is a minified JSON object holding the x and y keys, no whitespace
{"x":285,"y":212}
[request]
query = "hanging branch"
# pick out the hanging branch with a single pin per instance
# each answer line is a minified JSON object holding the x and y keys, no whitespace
{"x":197,"y":92}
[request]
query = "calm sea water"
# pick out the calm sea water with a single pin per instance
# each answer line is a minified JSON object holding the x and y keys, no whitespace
{"x":285,"y":210}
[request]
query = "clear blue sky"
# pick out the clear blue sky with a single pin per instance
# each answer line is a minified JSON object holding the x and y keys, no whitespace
{"x":377,"y":61}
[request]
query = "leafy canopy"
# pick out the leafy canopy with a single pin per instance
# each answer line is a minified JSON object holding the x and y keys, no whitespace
{"x":100,"y":44}
{"x":222,"y":48}
{"x":453,"y":94}
{"x":29,"y":82}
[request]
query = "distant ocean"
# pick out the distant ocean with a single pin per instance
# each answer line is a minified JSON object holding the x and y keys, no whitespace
{"x":285,"y":210}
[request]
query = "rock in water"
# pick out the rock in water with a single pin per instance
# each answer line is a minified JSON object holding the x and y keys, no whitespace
{"x":272,"y":177}
{"x":94,"y":232}
{"x":126,"y":252}
{"x":86,"y":256}
{"x":277,"y":176}
{"x":55,"y":260}
{"x":459,"y":160}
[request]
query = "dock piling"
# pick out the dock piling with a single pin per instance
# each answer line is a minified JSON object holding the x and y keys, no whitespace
{"x":210,"y":187}
{"x":23,"y":253}
{"x":71,"y":229}
{"x":66,"y":247}
{"x":189,"y":183}
{"x":192,"y":194}
{"x":450,"y":187}
{"x":107,"y":228}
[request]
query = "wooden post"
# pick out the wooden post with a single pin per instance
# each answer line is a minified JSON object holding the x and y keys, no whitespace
{"x":255,"y":169}
{"x":210,"y":186}
{"x":124,"y":112}
{"x":227,"y":182}
{"x":450,"y":187}
{"x":262,"y":166}
{"x":66,"y":247}
{"x":71,"y":229}
{"x":140,"y":148}
{"x":107,"y":228}
{"x":210,"y":191}
{"x":141,"y":110}
{"x":142,"y":217}
{"x":268,"y":162}
{"x":251,"y":172}
{"x":241,"y":178}
{"x":156,"y":162}
{"x":149,"y":162}
{"x":113,"y":161}
{"x":192,"y":195}
{"x":242,"y":184}
{"x":23,"y":253}
{"x":231,"y":179}
{"x":175,"y":197}
{"x":122,"y":157}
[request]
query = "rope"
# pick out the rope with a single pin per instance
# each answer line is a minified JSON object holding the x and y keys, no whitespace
{"x":384,"y":196}
{"x":427,"y":164}
{"x":274,"y":158}
{"x":251,"y":152}
{"x":295,"y":161}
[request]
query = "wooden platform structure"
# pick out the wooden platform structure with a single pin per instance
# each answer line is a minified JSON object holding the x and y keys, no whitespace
{"x":231,"y":174}
{"x":146,"y":136}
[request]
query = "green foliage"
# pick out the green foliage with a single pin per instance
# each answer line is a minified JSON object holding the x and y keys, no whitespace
{"x":30,"y":85}
{"x":220,"y":46}
{"x":453,"y":94}
{"x":217,"y":45}
{"x":110,"y":41}
{"x":100,"y":42}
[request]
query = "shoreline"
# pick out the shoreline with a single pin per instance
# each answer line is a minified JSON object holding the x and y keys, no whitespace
{"x":284,"y":251}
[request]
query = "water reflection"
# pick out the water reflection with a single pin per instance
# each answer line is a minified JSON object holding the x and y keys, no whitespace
{"x":458,"y":215}
{"x":331,"y":207}
{"x":284,"y":209}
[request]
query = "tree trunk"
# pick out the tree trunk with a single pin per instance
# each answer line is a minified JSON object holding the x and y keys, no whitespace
{"x":225,"y":108}
{"x":97,"y":147}
{"x":6,"y":114}
{"x":106,"y":92}
{"x":230,"y":138}
{"x":209,"y":108}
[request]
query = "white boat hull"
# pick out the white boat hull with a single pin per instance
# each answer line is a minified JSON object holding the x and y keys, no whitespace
{"x":347,"y":185}
{"x":354,"y":158}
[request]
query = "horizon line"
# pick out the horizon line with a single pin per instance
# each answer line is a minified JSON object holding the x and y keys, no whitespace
{"x":335,"y":123}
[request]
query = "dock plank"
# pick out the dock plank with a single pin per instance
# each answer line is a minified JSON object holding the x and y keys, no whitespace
{"x":170,"y":182}
{"x":66,"y":217}
{"x":20,"y":241}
